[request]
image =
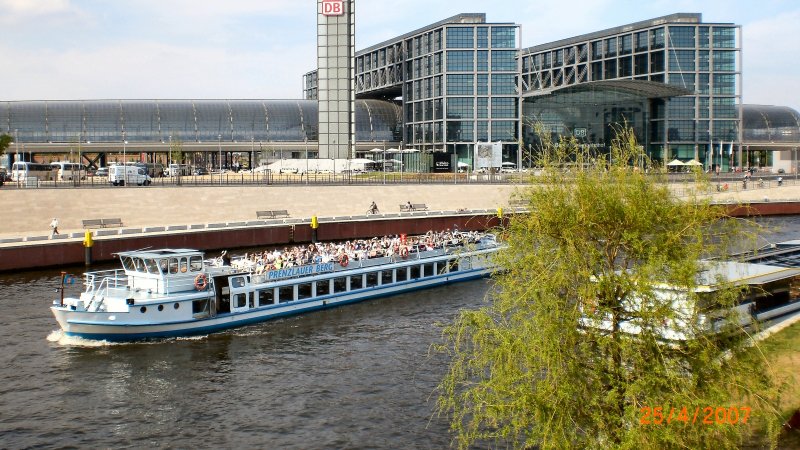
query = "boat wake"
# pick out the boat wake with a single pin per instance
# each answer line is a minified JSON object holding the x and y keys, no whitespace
{"x":60,"y":338}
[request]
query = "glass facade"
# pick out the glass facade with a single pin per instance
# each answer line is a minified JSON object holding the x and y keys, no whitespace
{"x":438,"y":71}
{"x":190,"y":121}
{"x":678,"y":50}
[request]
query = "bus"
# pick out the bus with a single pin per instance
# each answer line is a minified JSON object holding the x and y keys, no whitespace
{"x":67,"y":171}
{"x":21,"y":171}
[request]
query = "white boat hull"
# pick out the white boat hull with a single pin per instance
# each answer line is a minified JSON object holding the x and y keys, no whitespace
{"x":121,"y":326}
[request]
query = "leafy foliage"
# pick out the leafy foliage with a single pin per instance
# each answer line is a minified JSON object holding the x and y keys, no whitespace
{"x":5,"y":141}
{"x":596,"y":315}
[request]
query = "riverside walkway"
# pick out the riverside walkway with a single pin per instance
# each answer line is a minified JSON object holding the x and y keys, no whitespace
{"x":29,"y":212}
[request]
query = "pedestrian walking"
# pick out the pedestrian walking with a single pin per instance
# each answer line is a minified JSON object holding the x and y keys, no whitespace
{"x":54,"y":227}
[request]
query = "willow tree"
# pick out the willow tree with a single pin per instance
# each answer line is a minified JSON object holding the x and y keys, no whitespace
{"x":582,"y":343}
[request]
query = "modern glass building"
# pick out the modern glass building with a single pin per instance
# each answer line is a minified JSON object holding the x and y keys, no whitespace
{"x":457,"y":79}
{"x":702,"y":60}
{"x":453,"y":84}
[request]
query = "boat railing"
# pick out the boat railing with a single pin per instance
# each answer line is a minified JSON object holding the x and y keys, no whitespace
{"x":104,"y":280}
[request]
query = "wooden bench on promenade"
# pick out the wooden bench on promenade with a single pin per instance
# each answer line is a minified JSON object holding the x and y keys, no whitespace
{"x":272,"y":214}
{"x":102,"y":223}
{"x":414,"y":207}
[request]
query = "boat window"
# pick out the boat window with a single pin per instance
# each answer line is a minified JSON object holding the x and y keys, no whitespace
{"x":454,"y":265}
{"x":173,"y":265}
{"x":200,"y":308}
{"x":239,"y":300}
{"x":265,"y":297}
{"x":372,"y":279}
{"x":285,"y":294}
{"x":415,"y":272}
{"x":196,"y":263}
{"x":152,"y":267}
{"x":303,"y":291}
{"x":139,"y":265}
{"x":323,"y":287}
{"x":442,"y":267}
{"x":386,"y":276}
{"x":427,"y":270}
{"x":184,"y":265}
{"x":402,"y":274}
{"x":237,"y":282}
{"x":357,"y":282}
{"x":127,"y":263}
{"x":163,"y":264}
{"x":466,"y":263}
{"x":339,"y":285}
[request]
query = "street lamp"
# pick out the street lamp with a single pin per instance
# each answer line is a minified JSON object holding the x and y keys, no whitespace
{"x":384,"y":162}
{"x":219,"y":162}
{"x":305,"y":140}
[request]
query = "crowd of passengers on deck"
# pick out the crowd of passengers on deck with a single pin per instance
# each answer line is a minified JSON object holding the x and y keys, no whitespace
{"x":355,"y":250}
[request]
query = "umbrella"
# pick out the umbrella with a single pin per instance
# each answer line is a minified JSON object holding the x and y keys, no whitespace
{"x":508,"y":164}
{"x":675,"y":162}
{"x":462,"y":164}
{"x":377,"y":150}
{"x":693,"y":162}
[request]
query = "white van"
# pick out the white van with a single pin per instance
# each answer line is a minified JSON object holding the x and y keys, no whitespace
{"x":174,"y":170}
{"x":68,"y":171}
{"x":119,"y":175}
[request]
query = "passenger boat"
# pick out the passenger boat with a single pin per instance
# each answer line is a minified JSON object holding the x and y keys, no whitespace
{"x":177,"y":292}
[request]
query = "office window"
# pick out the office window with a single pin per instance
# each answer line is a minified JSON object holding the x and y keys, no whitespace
{"x":483,"y":37}
{"x":460,"y":37}
{"x":656,"y":38}
{"x":681,"y":60}
{"x":504,"y":60}
{"x":504,"y":37}
{"x":504,"y":108}
{"x":724,"y":37}
{"x":724,"y":60}
{"x":460,"y":108}
{"x":460,"y":61}
{"x":460,"y":85}
{"x":681,"y":37}
{"x":483,"y":61}
{"x":504,"y":84}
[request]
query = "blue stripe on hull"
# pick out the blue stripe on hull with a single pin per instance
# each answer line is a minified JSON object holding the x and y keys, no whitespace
{"x":242,"y":322}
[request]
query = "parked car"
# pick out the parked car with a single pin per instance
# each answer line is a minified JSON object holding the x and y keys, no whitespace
{"x":200,"y":171}
{"x":101,"y":172}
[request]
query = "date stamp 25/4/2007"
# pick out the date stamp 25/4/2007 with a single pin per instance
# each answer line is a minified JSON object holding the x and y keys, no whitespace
{"x":709,"y":415}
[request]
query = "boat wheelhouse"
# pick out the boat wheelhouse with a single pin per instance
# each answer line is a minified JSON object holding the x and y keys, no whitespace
{"x":176,"y":292}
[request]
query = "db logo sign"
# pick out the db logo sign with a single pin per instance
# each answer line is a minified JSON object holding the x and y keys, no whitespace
{"x":332,"y":7}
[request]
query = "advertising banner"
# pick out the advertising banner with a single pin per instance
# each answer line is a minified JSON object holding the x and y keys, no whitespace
{"x":442,"y":162}
{"x":488,"y":155}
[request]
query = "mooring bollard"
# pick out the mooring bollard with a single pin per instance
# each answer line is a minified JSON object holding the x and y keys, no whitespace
{"x":88,"y":242}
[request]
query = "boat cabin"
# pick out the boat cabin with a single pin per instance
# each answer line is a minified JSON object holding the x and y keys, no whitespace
{"x":163,"y":271}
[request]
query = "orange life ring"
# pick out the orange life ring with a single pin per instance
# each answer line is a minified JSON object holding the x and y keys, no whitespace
{"x":201,"y":282}
{"x":404,"y":252}
{"x":344,"y":260}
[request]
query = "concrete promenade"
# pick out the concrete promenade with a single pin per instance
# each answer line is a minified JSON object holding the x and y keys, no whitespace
{"x":29,"y":211}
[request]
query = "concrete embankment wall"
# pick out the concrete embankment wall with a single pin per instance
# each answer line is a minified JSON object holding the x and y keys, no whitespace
{"x":215,"y":218}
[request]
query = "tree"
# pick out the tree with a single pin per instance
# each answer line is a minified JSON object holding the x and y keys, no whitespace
{"x":176,"y":151}
{"x":5,"y":142}
{"x":573,"y":348}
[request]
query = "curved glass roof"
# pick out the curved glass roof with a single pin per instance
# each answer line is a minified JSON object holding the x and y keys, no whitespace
{"x":150,"y":121}
{"x":770,"y":124}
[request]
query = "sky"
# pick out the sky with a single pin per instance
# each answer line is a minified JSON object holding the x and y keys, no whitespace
{"x":260,"y":49}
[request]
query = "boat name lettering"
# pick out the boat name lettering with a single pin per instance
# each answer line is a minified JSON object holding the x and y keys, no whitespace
{"x":302,"y":270}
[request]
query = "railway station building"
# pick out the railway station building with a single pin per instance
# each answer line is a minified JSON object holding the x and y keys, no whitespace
{"x":445,"y":87}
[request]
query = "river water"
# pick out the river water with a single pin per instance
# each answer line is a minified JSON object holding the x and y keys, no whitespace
{"x":359,"y":376}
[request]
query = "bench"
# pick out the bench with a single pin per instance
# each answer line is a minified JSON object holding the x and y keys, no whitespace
{"x":273,"y":214}
{"x":518,"y":202}
{"x":102,"y":223}
{"x":404,"y":207}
